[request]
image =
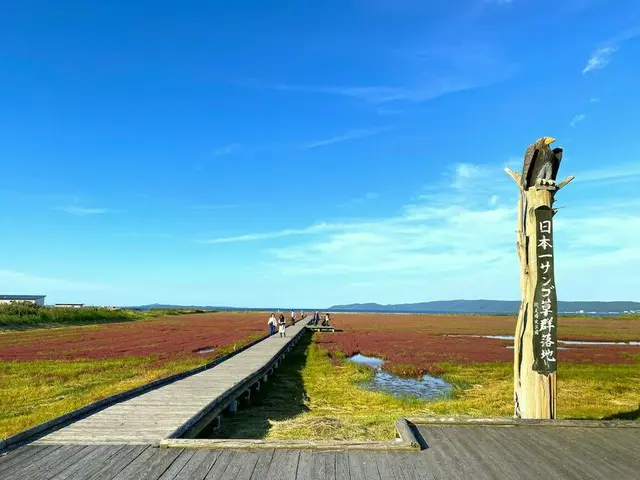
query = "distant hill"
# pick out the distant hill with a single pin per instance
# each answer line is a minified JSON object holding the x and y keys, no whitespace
{"x":486,"y":306}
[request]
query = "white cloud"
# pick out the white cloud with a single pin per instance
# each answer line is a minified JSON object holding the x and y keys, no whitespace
{"x":21,"y":282}
{"x":462,"y":229}
{"x":601,"y":56}
{"x":599,"y":59}
{"x":350,"y":135}
{"x":83,"y":211}
{"x":320,"y":227}
{"x":615,"y":173}
{"x":445,"y":69}
{"x":576,"y":119}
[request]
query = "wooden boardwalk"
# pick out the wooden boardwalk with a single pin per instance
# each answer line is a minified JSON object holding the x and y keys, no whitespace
{"x":157,"y":414}
{"x":452,"y":452}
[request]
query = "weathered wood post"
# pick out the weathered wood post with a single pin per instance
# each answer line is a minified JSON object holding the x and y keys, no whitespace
{"x":535,"y":345}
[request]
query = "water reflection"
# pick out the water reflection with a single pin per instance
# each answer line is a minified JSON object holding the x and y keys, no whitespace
{"x":428,"y":387}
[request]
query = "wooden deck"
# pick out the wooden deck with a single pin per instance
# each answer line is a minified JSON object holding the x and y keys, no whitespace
{"x":158,"y":414}
{"x":320,"y":328}
{"x":451,"y":452}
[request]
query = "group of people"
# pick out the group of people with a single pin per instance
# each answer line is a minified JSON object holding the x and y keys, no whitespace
{"x":279,"y":324}
{"x":316,"y":319}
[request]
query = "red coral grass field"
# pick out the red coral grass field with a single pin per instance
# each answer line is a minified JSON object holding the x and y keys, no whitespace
{"x":415,"y":344}
{"x":164,"y":338}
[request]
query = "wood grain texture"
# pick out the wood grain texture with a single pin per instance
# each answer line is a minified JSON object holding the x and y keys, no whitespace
{"x":452,"y":451}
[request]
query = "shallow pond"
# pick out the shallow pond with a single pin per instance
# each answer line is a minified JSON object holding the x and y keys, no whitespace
{"x":428,"y":387}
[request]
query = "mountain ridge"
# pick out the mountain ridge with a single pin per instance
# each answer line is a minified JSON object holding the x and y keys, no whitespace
{"x":437,"y":306}
{"x":489,"y":306}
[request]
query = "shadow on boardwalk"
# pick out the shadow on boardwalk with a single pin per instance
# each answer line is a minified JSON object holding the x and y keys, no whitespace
{"x":282,"y":398}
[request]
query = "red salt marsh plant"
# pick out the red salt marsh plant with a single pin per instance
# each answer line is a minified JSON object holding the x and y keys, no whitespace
{"x":47,"y":373}
{"x":166,"y":338}
{"x":569,"y":328}
{"x":413,"y":345}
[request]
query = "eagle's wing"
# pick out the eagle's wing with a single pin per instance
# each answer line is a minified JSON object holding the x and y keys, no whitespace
{"x":529,"y":162}
{"x":557,"y":157}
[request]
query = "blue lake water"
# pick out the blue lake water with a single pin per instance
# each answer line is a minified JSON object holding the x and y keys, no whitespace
{"x":428,"y":387}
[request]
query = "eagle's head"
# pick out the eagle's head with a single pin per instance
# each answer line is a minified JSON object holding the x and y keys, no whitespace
{"x":544,"y":142}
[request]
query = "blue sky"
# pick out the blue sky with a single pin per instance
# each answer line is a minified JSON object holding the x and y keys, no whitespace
{"x":312,"y":153}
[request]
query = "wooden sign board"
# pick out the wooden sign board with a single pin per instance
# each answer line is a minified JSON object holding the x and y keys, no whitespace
{"x":545,"y":300}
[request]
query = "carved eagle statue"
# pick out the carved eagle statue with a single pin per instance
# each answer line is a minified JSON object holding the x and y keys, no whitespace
{"x":541,"y":164}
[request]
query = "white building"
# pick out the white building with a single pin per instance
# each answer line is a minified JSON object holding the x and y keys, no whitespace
{"x":37,"y":299}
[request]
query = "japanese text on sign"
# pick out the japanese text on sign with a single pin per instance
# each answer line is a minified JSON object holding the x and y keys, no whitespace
{"x":545,"y":301}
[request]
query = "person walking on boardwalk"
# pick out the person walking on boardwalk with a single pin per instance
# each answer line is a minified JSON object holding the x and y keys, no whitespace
{"x":272,"y":324}
{"x":283,"y":327}
{"x":293,"y":317}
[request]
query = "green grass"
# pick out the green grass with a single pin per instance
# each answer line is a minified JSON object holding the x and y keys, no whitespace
{"x":315,"y":397}
{"x":37,"y":391}
{"x":19,"y":316}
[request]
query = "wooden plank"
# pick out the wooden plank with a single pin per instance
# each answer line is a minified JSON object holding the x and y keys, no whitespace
{"x":523,"y":422}
{"x":263,"y":464}
{"x":446,"y":460}
{"x":383,"y":463}
{"x":232,"y":469}
{"x":305,"y":465}
{"x":343,"y":471}
{"x":283,"y":465}
{"x":568,"y":445}
{"x":20,"y":455}
{"x":221,"y":464}
{"x":154,"y":466}
{"x":249,"y":460}
{"x":623,"y":441}
{"x":217,"y":443}
{"x":136,"y":464}
{"x":408,"y":466}
{"x":356,"y":466}
{"x":482,"y":457}
{"x":612,"y":459}
{"x":109,"y":468}
{"x":503,"y":440}
{"x":91,"y":462}
{"x":323,"y":465}
{"x":198,"y":465}
{"x":501,"y":462}
{"x":370,"y":465}
{"x":81,"y":453}
{"x":175,"y":468}
{"x":544,"y":452}
{"x":37,"y":468}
